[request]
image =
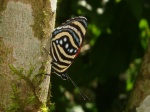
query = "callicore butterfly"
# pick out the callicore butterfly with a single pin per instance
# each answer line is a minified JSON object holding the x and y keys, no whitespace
{"x":65,"y":44}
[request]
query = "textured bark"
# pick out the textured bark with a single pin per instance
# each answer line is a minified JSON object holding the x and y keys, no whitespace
{"x":25,"y":27}
{"x":139,"y":100}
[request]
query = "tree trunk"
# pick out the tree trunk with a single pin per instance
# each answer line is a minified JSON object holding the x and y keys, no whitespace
{"x":25,"y":27}
{"x":139,"y":100}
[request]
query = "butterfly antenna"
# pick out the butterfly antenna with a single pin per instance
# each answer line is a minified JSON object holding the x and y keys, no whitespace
{"x":46,"y":51}
{"x":81,"y":93}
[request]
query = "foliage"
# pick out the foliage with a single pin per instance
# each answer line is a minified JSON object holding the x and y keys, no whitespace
{"x":20,"y":104}
{"x":117,"y":36}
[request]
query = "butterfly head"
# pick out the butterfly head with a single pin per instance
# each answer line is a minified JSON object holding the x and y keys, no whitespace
{"x":64,"y":76}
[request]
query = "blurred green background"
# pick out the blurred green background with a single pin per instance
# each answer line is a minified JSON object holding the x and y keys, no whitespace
{"x":105,"y":70}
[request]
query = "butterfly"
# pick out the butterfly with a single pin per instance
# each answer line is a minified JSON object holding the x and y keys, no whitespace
{"x":65,"y":44}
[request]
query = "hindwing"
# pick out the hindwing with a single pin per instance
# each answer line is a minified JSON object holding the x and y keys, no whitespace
{"x":66,"y":42}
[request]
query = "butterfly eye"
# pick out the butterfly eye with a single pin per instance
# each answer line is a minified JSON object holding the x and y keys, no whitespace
{"x":64,"y":76}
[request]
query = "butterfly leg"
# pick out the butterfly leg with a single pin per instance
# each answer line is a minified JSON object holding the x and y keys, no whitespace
{"x":46,"y":51}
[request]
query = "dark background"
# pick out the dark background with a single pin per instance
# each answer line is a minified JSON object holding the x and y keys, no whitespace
{"x":105,"y":70}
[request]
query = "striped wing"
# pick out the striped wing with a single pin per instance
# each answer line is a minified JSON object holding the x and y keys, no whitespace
{"x":66,"y":42}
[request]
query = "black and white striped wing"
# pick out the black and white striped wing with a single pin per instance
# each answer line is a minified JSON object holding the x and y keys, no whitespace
{"x":66,"y":42}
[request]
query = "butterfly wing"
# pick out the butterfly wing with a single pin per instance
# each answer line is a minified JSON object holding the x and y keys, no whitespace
{"x":66,"y":42}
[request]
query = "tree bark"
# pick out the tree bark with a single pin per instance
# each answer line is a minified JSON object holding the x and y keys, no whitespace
{"x":25,"y":27}
{"x":139,"y":100}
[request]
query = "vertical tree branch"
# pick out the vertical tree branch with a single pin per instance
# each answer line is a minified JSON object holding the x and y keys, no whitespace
{"x":25,"y":27}
{"x":139,"y":99}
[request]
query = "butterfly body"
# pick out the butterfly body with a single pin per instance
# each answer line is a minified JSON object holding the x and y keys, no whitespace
{"x":66,"y":42}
